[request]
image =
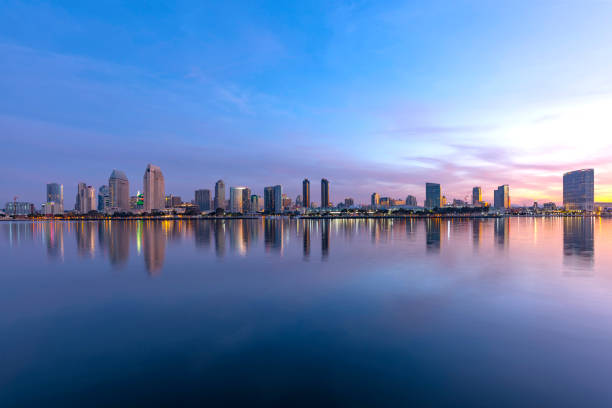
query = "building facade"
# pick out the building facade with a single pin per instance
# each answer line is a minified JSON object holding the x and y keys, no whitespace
{"x":306,"y":193}
{"x":273,"y":199}
{"x":104,"y":200}
{"x":501,"y":197}
{"x":411,"y":201}
{"x":119,"y":189}
{"x":19,"y":208}
{"x":433,"y":195}
{"x":154,"y":189}
{"x":375,"y":200}
{"x":55,"y":197}
{"x":219,"y":195}
{"x":202,"y":199}
{"x":236,"y":199}
{"x":476,"y":196}
{"x":325,"y":203}
{"x":579,"y":190}
{"x":87,"y":199}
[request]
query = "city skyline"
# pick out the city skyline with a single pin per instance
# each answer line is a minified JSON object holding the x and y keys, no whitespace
{"x":343,"y":91}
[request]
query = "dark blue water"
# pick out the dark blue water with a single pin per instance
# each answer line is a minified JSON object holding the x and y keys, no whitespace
{"x":514,"y":312}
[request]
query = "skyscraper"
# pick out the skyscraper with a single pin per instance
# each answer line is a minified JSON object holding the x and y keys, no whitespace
{"x":579,"y":190}
{"x":273,"y":199}
{"x":411,"y":201}
{"x":202,"y":199}
{"x":55,"y":195}
{"x":375,"y":200}
{"x":501,"y":197}
{"x":433,"y":195}
{"x":236,"y":199}
{"x":119,"y":189}
{"x":306,"y":193}
{"x":77,"y":202}
{"x":154,"y":189}
{"x":87,"y":199}
{"x":246,"y":200}
{"x":104,"y":201}
{"x":325,"y":203}
{"x":219,"y":195}
{"x":476,"y":195}
{"x":255,"y":199}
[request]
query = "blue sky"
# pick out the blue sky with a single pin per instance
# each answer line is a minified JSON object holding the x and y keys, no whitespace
{"x":374,"y":96}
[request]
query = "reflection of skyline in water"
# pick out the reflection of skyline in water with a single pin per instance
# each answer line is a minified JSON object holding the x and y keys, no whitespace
{"x":113,"y":239}
{"x":579,"y":243}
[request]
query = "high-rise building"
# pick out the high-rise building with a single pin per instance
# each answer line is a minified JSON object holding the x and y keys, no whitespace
{"x":255,"y":200}
{"x":87,"y":199}
{"x":77,"y":201}
{"x":246,"y":200}
{"x":476,"y":195}
{"x":325,"y":203}
{"x":501,"y":197}
{"x":433,"y":195}
{"x":349,"y":202}
{"x":579,"y":190}
{"x":55,"y":194}
{"x":172,"y":201}
{"x":375,"y":200}
{"x":219,"y":195}
{"x":273,"y":199}
{"x":154,"y":189}
{"x":411,"y":201}
{"x":306,"y":193}
{"x":18,"y":208}
{"x":119,"y":188}
{"x":104,"y":200}
{"x":202,"y":199}
{"x":236,"y":199}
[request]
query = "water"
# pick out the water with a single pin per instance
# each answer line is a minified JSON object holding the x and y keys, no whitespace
{"x":514,"y":312}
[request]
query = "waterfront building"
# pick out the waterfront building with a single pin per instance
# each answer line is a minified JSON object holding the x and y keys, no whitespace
{"x":306,"y":193}
{"x":19,"y":208}
{"x":325,"y":203}
{"x":255,"y":203}
{"x":202,"y":199}
{"x":385,"y":202}
{"x":579,"y":190}
{"x":154,"y":189}
{"x":137,"y":201}
{"x":172,"y":201}
{"x":119,"y":188}
{"x":375,"y":200}
{"x":87,"y":199}
{"x":411,"y":201}
{"x":104,"y":199}
{"x":273,"y":197}
{"x":501,"y":197}
{"x":286,"y":202}
{"x":349,"y":202}
{"x":476,"y":196}
{"x":55,"y":197}
{"x":298,"y":201}
{"x":220,"y":195}
{"x":433,"y":195}
{"x":236,"y":199}
{"x":246,"y":200}
{"x":77,"y":201}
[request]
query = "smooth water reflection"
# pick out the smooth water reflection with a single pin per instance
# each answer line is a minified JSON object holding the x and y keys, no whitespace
{"x":436,"y":312}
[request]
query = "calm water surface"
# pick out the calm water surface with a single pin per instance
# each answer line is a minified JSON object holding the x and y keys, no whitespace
{"x":514,"y":312}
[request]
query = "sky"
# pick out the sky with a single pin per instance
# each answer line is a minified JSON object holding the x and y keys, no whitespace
{"x":374,"y":96}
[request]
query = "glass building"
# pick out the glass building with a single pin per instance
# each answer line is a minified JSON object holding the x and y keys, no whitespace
{"x":476,"y":195}
{"x":202,"y":199}
{"x":219,"y":195}
{"x":119,"y":189}
{"x":579,"y":190}
{"x":325,"y":203}
{"x":501,"y":197}
{"x":433,"y":195}
{"x":306,"y":193}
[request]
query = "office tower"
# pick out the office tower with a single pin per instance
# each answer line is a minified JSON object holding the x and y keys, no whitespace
{"x":579,"y":190}
{"x":306,"y":193}
{"x":246,"y":200}
{"x":325,"y":203}
{"x":55,"y":195}
{"x":87,"y":199}
{"x":501,"y":197}
{"x":104,"y":200}
{"x":278,"y":199}
{"x":18,"y":208}
{"x":219,"y":195}
{"x":77,"y":202}
{"x":202,"y":199}
{"x":298,"y":201}
{"x":349,"y":202}
{"x":269,"y":199}
{"x":433,"y":195}
{"x":236,"y":199}
{"x":255,"y":199}
{"x":119,"y":188}
{"x":375,"y":200}
{"x":154,"y":189}
{"x":411,"y":201}
{"x":476,"y":195}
